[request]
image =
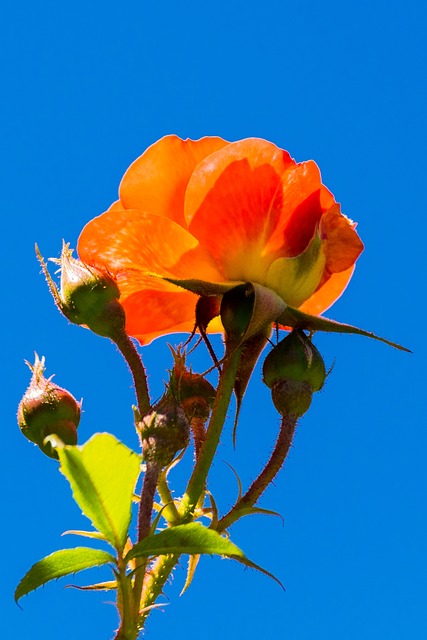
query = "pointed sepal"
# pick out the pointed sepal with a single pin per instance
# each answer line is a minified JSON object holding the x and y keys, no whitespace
{"x":297,"y":319}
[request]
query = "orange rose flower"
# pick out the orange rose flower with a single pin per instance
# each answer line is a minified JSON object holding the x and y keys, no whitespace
{"x":219,"y":212}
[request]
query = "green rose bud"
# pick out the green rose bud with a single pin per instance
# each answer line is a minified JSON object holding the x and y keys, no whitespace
{"x":87,"y":295}
{"x":294,"y":370}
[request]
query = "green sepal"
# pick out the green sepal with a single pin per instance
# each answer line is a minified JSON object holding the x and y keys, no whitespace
{"x":193,"y":561}
{"x":108,"y":585}
{"x":193,"y":539}
{"x":214,"y":509}
{"x":103,"y":474}
{"x":239,"y":482}
{"x":203,"y":287}
{"x":297,"y":319}
{"x":85,"y":534}
{"x":252,"y":511}
{"x":252,"y":350}
{"x":59,"y":564}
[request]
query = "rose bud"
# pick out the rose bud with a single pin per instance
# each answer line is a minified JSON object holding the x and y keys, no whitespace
{"x":294,"y":370}
{"x":195,"y":395}
{"x":87,"y":295}
{"x":47,"y":409}
{"x":164,"y":432}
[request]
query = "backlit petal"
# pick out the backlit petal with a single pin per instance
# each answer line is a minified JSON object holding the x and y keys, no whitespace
{"x":157,"y":180}
{"x":150,"y":314}
{"x":343,"y":244}
{"x":233,"y":204}
{"x":296,"y":279}
{"x":328,"y":293}
{"x":134,"y":245}
{"x":304,"y":200}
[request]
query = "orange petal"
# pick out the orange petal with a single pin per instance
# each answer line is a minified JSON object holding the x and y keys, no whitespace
{"x":157,"y":180}
{"x":116,"y":206}
{"x":150,"y":314}
{"x":304,"y":201}
{"x":328,"y":293}
{"x":255,"y":151}
{"x":343,"y":245}
{"x":133,"y":245}
{"x":233,"y":204}
{"x":164,"y":312}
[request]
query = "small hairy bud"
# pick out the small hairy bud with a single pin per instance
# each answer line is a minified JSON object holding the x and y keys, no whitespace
{"x":294,"y":370}
{"x":193,"y":391}
{"x":47,"y":409}
{"x":164,"y":432}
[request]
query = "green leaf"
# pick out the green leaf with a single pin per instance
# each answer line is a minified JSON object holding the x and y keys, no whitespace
{"x":102,"y":474}
{"x":297,"y":319}
{"x":59,"y":564}
{"x":194,"y":539}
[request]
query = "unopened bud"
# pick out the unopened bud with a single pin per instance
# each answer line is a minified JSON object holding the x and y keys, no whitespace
{"x":47,"y":409}
{"x":294,"y":370}
{"x":87,"y":295}
{"x":193,"y":391}
{"x":164,"y":432}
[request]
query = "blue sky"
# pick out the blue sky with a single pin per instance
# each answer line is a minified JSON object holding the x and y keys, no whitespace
{"x":86,"y":88}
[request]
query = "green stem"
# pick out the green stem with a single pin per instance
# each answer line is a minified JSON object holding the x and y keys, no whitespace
{"x":154,"y":582}
{"x":267,"y":475}
{"x":133,"y":359}
{"x":128,"y":629}
{"x":197,"y":482}
{"x":170,"y":511}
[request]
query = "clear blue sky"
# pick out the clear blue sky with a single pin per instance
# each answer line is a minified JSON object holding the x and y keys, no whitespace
{"x":87,"y":86}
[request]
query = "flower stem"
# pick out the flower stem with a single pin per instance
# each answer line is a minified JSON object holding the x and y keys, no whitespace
{"x":154,"y":582}
{"x":197,"y":482}
{"x":128,"y":629}
{"x":267,"y":475}
{"x":133,"y":359}
{"x":144,"y":524}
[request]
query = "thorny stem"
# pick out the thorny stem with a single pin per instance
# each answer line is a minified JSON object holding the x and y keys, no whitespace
{"x":133,"y":359}
{"x":267,"y":475}
{"x":147,"y":498}
{"x":197,"y":426}
{"x":157,"y":575}
{"x":144,"y":523}
{"x":197,"y":482}
{"x":154,"y":582}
